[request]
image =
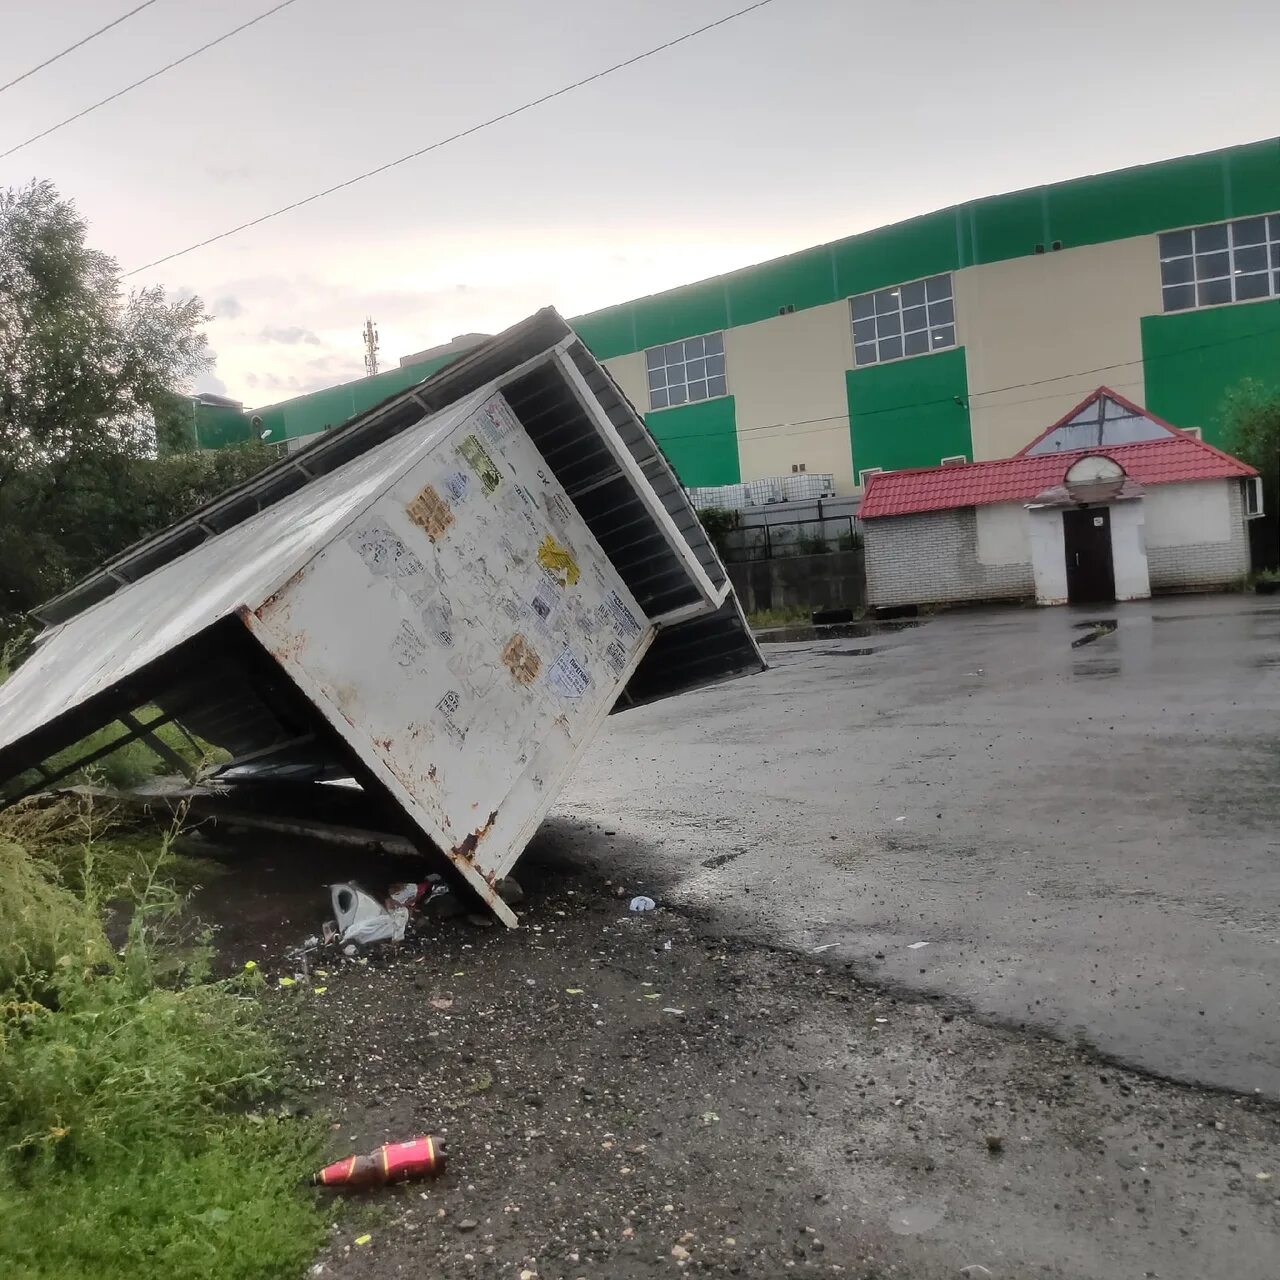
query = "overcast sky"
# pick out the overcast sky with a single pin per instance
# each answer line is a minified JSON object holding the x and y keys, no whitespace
{"x":802,"y":122}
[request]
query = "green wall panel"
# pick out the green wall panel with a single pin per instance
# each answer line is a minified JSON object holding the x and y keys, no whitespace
{"x":894,"y":255}
{"x":700,"y":441}
{"x":801,"y":280}
{"x":1006,"y":226}
{"x":608,"y":333}
{"x":1253,"y":175}
{"x":1191,"y":359}
{"x":305,"y":415}
{"x":909,"y":413}
{"x":664,"y":317}
{"x":1137,"y":202}
{"x":217,"y":426}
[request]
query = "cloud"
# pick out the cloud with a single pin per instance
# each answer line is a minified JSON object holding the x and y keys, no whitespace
{"x":212,"y":383}
{"x":228,"y":307}
{"x":291,"y":336}
{"x":335,"y":362}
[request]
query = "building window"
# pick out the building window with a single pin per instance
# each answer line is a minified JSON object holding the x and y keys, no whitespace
{"x":867,"y":473}
{"x":1226,"y":262}
{"x":907,"y":320}
{"x":682,"y":372}
{"x":1253,"y":497}
{"x":955,"y":460}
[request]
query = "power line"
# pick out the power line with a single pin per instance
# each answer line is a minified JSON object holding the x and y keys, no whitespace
{"x":843,"y":419}
{"x":93,"y":35}
{"x":244,"y":26}
{"x":444,"y":142}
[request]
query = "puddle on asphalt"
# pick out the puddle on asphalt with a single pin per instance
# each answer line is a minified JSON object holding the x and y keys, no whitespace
{"x":835,"y":631}
{"x":915,"y":1218}
{"x":1096,"y":670}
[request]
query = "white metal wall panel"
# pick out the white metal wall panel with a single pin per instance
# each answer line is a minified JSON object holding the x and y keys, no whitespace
{"x":493,"y":631}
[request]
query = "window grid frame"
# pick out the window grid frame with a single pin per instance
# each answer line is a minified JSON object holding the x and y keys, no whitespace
{"x":670,"y":371}
{"x":878,"y":349}
{"x":1269,"y":246}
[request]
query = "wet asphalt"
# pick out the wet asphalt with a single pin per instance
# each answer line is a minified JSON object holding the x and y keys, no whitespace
{"x":1086,"y":836}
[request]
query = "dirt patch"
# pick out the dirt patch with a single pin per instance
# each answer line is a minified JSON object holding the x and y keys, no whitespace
{"x":629,"y":1095}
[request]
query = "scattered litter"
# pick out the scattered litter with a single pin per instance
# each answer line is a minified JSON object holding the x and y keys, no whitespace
{"x":666,"y":946}
{"x":826,"y":946}
{"x":364,"y":1239}
{"x":573,"y":991}
{"x":442,"y":1002}
{"x":652,"y":995}
{"x":318,"y":991}
{"x":362,"y":919}
{"x":1263,"y":1177}
{"x":882,"y":1019}
{"x":411,"y":895}
{"x":669,"y":1009}
{"x":710,"y":1117}
{"x":680,"y":1253}
{"x":641,"y":903}
{"x":975,"y":1269}
{"x":391,"y":1162}
{"x":288,"y":982}
{"x":902,"y":817}
{"x":915,"y":946}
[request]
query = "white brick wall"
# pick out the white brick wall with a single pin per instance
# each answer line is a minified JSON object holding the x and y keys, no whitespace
{"x":1201,"y":565}
{"x":933,"y":558}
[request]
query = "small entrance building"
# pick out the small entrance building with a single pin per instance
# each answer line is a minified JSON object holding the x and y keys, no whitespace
{"x":1110,"y":503}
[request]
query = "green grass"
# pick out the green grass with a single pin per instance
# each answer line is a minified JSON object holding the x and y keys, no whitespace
{"x":135,"y":1134}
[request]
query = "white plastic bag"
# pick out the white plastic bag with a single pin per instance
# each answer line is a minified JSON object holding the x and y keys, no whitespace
{"x":362,"y":919}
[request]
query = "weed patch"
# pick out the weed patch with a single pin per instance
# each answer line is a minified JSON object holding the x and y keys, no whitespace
{"x":135,"y":1138}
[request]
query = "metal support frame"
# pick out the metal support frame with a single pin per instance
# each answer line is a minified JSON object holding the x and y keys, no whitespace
{"x":134,"y":732}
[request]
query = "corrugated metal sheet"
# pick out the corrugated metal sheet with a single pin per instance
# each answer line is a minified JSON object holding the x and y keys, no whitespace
{"x":202,"y":618}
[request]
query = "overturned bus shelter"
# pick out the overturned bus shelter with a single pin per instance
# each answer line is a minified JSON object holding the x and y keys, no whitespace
{"x":442,"y":599}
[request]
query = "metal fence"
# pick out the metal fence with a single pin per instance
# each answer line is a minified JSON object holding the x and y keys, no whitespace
{"x":790,"y":538}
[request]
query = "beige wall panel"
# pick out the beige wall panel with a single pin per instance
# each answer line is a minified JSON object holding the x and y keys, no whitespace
{"x":1046,"y":316}
{"x":628,"y":373}
{"x":791,"y":369}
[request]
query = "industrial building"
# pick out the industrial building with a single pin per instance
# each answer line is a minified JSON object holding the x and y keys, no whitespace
{"x":951,"y":337}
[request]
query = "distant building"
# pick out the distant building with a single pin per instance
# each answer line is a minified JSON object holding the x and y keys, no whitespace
{"x":947,"y":336}
{"x":446,"y":350}
{"x":1110,"y":503}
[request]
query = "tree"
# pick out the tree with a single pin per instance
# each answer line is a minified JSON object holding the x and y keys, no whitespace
{"x":1251,"y":421}
{"x":86,"y":371}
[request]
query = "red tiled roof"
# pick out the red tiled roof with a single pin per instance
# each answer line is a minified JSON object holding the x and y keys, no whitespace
{"x":1180,"y":457}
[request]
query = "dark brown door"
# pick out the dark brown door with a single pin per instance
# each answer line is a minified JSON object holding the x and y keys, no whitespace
{"x":1091,"y":576}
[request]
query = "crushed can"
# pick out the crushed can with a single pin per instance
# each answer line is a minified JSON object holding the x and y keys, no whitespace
{"x":391,"y":1162}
